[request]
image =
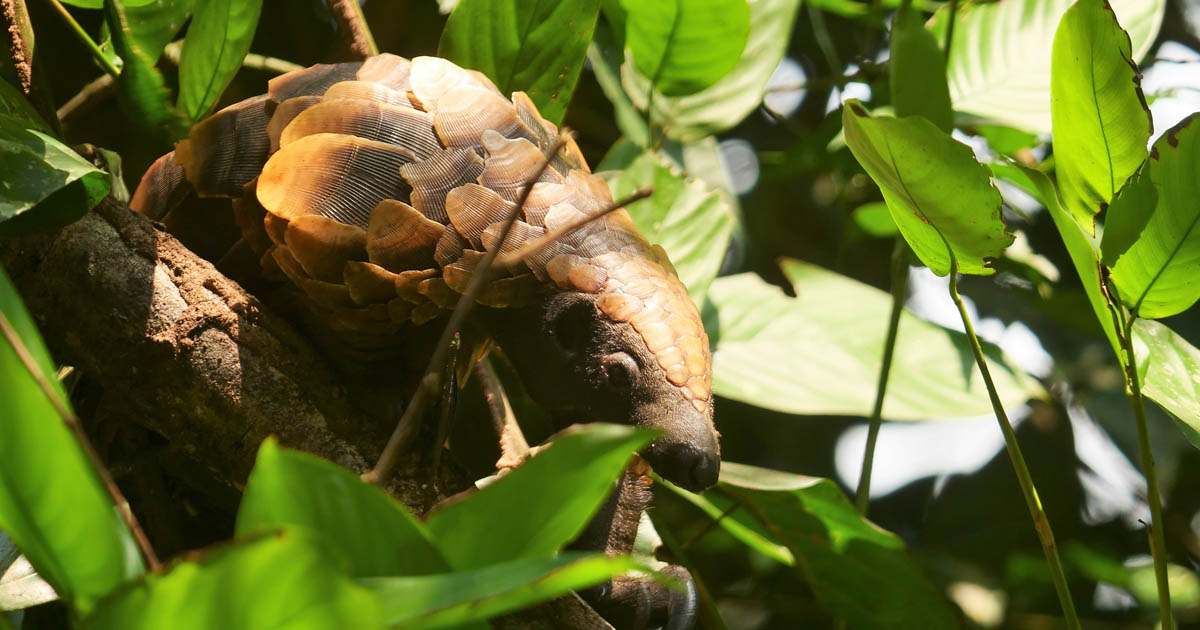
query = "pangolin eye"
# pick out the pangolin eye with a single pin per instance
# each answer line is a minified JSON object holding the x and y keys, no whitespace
{"x":620,"y":371}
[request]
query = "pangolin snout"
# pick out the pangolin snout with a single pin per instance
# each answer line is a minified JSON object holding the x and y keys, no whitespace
{"x":689,"y":459}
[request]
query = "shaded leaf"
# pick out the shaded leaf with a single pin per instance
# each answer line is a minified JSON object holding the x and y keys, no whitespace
{"x":1127,"y":216}
{"x":875,"y":219}
{"x":52,"y":503}
{"x":737,"y":521}
{"x":13,"y":104}
{"x":281,"y":580}
{"x":46,"y":184}
{"x":452,"y":599}
{"x":1101,"y":122}
{"x":1006,"y":140}
{"x":368,"y":528}
{"x":917,"y":74}
{"x":151,"y":26}
{"x":1168,"y":365}
{"x":684,"y":46}
{"x":140,"y":88}
{"x":858,"y":571}
{"x":1159,"y":274}
{"x":216,"y":43}
{"x":524,"y":45}
{"x":605,"y":56}
{"x":545,"y":502}
{"x":798,"y":355}
{"x":940,"y":197}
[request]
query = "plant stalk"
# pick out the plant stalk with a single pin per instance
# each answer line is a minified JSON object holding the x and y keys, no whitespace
{"x":1040,"y":523}
{"x":899,"y":289}
{"x":87,"y":40}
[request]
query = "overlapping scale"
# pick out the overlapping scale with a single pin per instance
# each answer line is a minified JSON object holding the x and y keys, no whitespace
{"x":367,"y":91}
{"x":431,"y":179}
{"x":312,"y":81}
{"x":285,"y":112}
{"x":322,"y":246}
{"x":399,"y":237}
{"x":402,"y":126}
{"x":388,"y":70}
{"x":227,"y":149}
{"x":432,"y":77}
{"x":511,"y":164}
{"x":464,"y":113}
{"x":472,"y":208}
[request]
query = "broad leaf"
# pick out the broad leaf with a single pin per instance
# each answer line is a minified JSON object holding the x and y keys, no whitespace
{"x":737,"y":521}
{"x":99,"y":4}
{"x":524,"y":45}
{"x":858,"y":571}
{"x":140,"y":88}
{"x":875,"y":219}
{"x":453,"y":599}
{"x":917,"y":75}
{"x":605,"y":56}
{"x":216,"y":43}
{"x":281,"y":580}
{"x":13,"y":104}
{"x":151,"y":26}
{"x":52,"y":504}
{"x":541,"y":505}
{"x":1168,"y":366}
{"x":1101,"y":122}
{"x":799,"y":355}
{"x":684,"y":46}
{"x":940,"y":197}
{"x":46,"y":184}
{"x":366,"y":527}
{"x":727,"y":102}
{"x":690,"y":220}
{"x":998,"y":66}
{"x":1156,"y":275}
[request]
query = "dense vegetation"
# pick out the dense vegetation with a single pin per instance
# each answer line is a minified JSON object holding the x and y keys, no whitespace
{"x":994,"y":165}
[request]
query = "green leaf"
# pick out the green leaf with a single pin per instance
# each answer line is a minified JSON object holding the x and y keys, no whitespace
{"x":684,"y":46}
{"x":727,"y":102}
{"x":1080,"y":248}
{"x":140,"y":88}
{"x":151,"y":26}
{"x":917,"y":75}
{"x":875,"y":219}
{"x":99,"y":4}
{"x":541,"y":505}
{"x":216,"y":43}
{"x":940,"y":197}
{"x":998,"y":66}
{"x":605,"y":56}
{"x":1157,"y":273}
{"x":690,"y":220}
{"x":281,"y":580}
{"x":368,"y":528}
{"x":1127,"y":216}
{"x":452,"y":599}
{"x":1006,"y":140}
{"x":46,"y":184}
{"x":1101,"y":122}
{"x":737,"y":521}
{"x":52,"y":503}
{"x":13,"y":104}
{"x":858,"y":571}
{"x":533,"y":46}
{"x":798,"y":355}
{"x":1168,"y":365}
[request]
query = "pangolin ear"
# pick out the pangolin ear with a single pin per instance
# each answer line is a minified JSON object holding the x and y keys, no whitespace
{"x":570,"y":324}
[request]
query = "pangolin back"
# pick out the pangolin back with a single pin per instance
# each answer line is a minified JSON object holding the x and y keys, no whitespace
{"x":377,"y":186}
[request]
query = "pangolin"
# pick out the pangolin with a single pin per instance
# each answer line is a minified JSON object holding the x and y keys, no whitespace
{"x":377,"y":186}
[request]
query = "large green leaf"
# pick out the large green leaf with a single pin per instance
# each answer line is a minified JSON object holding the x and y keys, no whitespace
{"x":140,"y":88}
{"x":14,"y":105}
{"x":282,"y":580}
{"x":52,"y":504}
{"x":605,"y":56}
{"x":541,"y":505}
{"x":729,"y":100}
{"x":1157,"y":273}
{"x":453,"y":599}
{"x":1168,"y":366}
{"x":684,"y":46}
{"x":998,"y":66}
{"x":940,"y":197}
{"x":1101,"y":122}
{"x":535,"y":46}
{"x":917,"y":76}
{"x":46,"y":184}
{"x":216,"y":43}
{"x":801,"y":355}
{"x":858,"y":571}
{"x":735,"y":520}
{"x":152,"y":26}
{"x":368,"y":528}
{"x":690,"y":220}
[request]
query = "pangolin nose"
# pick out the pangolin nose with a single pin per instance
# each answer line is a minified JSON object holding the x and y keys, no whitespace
{"x":685,"y":465}
{"x":704,"y":471}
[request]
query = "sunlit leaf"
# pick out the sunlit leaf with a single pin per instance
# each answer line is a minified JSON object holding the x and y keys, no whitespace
{"x":737,"y":521}
{"x":800,"y":355}
{"x":917,"y":75}
{"x":280,"y":580}
{"x":1168,"y":366}
{"x":858,"y":571}
{"x":999,"y":61}
{"x":1158,"y":274}
{"x":452,"y":599}
{"x":940,"y":197}
{"x":524,"y":45}
{"x":216,"y":43}
{"x":541,"y":505}
{"x":52,"y":503}
{"x":1101,"y":122}
{"x":684,"y":46}
{"x":371,"y":530}
{"x":140,"y":88}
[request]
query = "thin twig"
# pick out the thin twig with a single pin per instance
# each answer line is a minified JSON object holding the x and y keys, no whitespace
{"x":531,"y":247}
{"x":173,"y":52}
{"x":86,"y":39}
{"x":449,"y":394}
{"x":353,"y":27}
{"x":72,"y":421}
{"x":514,"y":448}
{"x":91,"y":94}
{"x":407,"y":425}
{"x":899,"y":289}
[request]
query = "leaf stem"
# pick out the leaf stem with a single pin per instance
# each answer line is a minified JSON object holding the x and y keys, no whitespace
{"x":899,"y":289}
{"x":87,"y":40}
{"x":1040,"y":523}
{"x":950,"y":29}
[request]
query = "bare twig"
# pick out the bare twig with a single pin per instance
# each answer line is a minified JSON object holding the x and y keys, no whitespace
{"x":353,"y":27}
{"x":513,"y":446}
{"x":92,"y":94}
{"x":72,"y":421}
{"x":254,"y":61}
{"x":531,"y":247}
